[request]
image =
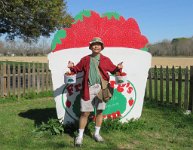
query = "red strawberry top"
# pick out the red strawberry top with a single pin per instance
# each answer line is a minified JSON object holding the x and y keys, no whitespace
{"x":114,"y":30}
{"x":69,"y":73}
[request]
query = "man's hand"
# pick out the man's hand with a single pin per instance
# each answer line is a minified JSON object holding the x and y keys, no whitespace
{"x":70,"y":64}
{"x":120,"y":65}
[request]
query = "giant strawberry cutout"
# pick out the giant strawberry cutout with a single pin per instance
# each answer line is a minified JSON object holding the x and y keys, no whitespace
{"x":123,"y":42}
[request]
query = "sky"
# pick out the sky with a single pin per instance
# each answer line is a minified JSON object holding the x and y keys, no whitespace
{"x":158,"y":19}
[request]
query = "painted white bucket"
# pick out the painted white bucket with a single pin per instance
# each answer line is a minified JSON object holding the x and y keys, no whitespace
{"x":70,"y":79}
{"x":121,"y":79}
{"x":136,"y":66}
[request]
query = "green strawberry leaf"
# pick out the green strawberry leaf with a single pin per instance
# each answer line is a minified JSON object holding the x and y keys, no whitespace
{"x":79,"y":16}
{"x":144,"y":49}
{"x":109,"y":15}
{"x":120,"y":81}
{"x":57,"y":38}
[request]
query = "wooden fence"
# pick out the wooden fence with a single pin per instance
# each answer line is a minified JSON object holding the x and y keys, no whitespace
{"x":19,"y":79}
{"x":171,"y":86}
{"x":165,"y":85}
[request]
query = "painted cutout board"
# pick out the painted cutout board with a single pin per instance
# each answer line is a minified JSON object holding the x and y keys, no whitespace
{"x":123,"y":41}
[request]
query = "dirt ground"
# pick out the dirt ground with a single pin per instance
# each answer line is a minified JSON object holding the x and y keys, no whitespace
{"x":164,"y":61}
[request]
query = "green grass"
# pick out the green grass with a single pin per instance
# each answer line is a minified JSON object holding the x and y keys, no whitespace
{"x":27,"y":96}
{"x":159,"y":127}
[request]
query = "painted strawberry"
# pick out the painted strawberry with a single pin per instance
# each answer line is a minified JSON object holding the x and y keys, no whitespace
{"x":68,"y":103}
{"x":130,"y":101}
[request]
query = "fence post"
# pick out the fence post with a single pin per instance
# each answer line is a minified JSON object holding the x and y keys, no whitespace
{"x":186,"y":89}
{"x":47,"y":77}
{"x":18,"y":81}
{"x":43,"y":74}
{"x":28,"y":78}
{"x":150,"y":84}
{"x":2,"y":80}
{"x":24,"y":78}
{"x":38,"y":78}
{"x":155,"y":84}
{"x":167,"y":86}
{"x":14,"y":80}
{"x":173,"y":87}
{"x":161,"y":85}
{"x":8,"y":80}
{"x":5,"y":78}
{"x":33,"y":77}
{"x":179,"y":87}
{"x":191,"y":89}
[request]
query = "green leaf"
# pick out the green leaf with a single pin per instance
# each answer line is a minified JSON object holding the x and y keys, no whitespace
{"x":56,"y":130}
{"x":30,"y":19}
{"x":79,"y":16}
{"x":109,"y":15}
{"x":144,"y":49}
{"x":57,"y":38}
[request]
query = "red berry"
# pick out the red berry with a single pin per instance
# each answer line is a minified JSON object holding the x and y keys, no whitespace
{"x":131,"y":101}
{"x":68,"y":103}
{"x":123,"y":74}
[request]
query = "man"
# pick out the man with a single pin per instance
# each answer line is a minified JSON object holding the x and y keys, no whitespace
{"x":91,"y":85}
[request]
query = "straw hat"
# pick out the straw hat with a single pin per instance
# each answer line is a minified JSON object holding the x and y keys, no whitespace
{"x":96,"y":40}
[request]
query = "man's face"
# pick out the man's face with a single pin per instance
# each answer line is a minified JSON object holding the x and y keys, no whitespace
{"x":96,"y":48}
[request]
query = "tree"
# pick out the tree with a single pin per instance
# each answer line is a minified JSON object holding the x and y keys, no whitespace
{"x":176,"y":47}
{"x":30,"y":19}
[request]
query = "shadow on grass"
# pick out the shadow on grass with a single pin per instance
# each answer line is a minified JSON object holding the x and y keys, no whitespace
{"x":39,"y":115}
{"x":44,"y":115}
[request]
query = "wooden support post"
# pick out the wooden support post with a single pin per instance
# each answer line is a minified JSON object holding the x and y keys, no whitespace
{"x":186,"y":89}
{"x":38,"y":78}
{"x":24,"y":78}
{"x":47,"y":78}
{"x":191,"y":90}
{"x":42,"y":79}
{"x":167,"y":86}
{"x":150,"y":84}
{"x":161,"y":85}
{"x":14,"y":80}
{"x":155,"y":84}
{"x":2,"y":81}
{"x":33,"y":78}
{"x":5,"y":79}
{"x":18,"y":81}
{"x":28,"y":78}
{"x":179,"y":87}
{"x":173,"y":87}
{"x":8,"y":81}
